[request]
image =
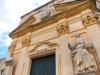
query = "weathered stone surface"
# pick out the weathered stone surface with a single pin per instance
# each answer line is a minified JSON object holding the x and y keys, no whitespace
{"x":37,"y":38}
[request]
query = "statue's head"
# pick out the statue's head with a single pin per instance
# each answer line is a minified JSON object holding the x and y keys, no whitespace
{"x":77,"y":35}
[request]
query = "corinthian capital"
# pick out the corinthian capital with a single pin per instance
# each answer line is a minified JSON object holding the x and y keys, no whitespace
{"x":90,"y":20}
{"x":26,"y":41}
{"x":62,"y":28}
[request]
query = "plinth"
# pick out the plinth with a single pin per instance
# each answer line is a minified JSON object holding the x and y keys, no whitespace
{"x":86,"y":73}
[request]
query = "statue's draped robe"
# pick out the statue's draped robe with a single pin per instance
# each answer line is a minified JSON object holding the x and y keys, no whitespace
{"x":83,"y":60}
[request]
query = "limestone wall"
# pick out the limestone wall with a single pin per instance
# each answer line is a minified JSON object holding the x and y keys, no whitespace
{"x":54,"y":39}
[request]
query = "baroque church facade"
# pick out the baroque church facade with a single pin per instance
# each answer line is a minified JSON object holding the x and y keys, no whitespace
{"x":61,"y":37}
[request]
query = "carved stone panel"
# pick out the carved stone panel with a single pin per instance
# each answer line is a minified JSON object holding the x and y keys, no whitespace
{"x":75,"y":25}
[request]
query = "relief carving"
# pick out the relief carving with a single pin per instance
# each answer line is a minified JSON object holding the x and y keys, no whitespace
{"x":83,"y":61}
{"x":48,"y":44}
{"x":90,"y":20}
{"x":26,"y":41}
{"x":62,"y":28}
{"x":12,"y":48}
{"x":45,"y":14}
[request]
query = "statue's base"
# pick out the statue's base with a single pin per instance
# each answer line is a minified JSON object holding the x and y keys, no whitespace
{"x":86,"y":73}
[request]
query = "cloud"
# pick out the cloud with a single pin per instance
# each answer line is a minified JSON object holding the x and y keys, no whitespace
{"x":17,"y":8}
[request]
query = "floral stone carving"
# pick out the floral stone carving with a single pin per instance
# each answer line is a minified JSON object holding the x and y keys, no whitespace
{"x":90,"y":20}
{"x":62,"y":28}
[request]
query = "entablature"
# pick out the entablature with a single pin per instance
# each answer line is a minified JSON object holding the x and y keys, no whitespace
{"x":55,"y":18}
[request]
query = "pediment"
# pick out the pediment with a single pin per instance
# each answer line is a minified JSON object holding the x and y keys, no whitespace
{"x":24,"y":25}
{"x":71,"y":8}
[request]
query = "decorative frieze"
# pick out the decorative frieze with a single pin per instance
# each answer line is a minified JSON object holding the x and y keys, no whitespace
{"x":62,"y":28}
{"x":89,"y":19}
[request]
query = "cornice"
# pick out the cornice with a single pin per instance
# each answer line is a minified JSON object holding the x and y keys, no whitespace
{"x":65,"y":14}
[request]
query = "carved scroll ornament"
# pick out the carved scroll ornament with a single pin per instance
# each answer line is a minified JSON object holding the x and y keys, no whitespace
{"x":49,"y":44}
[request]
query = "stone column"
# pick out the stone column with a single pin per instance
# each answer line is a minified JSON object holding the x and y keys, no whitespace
{"x":58,"y":60}
{"x":27,"y":65}
{"x":94,"y":32}
{"x":91,"y":23}
{"x":23,"y":58}
{"x":21,"y":63}
{"x":9,"y":70}
{"x":66,"y":60}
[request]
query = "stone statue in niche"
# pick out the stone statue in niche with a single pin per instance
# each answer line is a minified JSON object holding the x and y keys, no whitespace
{"x":82,"y":59}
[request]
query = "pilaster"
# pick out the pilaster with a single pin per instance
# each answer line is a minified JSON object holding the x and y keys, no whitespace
{"x":91,"y":23}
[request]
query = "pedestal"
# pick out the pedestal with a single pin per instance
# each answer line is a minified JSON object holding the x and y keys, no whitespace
{"x":86,"y":73}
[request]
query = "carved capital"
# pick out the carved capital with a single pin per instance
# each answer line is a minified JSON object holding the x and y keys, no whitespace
{"x":62,"y":28}
{"x":90,"y":20}
{"x":26,"y":41}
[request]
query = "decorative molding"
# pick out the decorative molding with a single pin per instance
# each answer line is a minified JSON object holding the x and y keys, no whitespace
{"x":49,"y":45}
{"x":90,"y":20}
{"x":65,"y":5}
{"x":62,"y":28}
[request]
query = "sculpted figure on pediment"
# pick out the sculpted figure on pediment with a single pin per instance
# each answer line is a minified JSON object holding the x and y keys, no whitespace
{"x":45,"y":14}
{"x":82,"y":59}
